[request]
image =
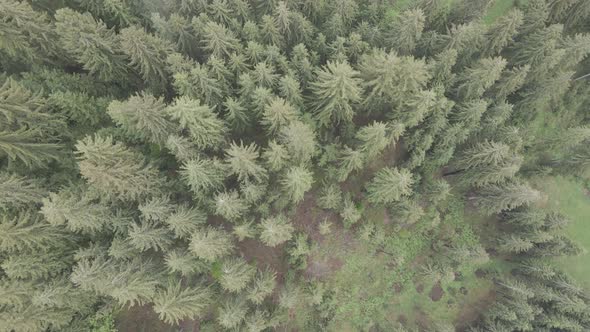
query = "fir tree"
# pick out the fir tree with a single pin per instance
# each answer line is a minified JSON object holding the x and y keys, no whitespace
{"x":185,"y":221}
{"x":497,"y":198}
{"x":114,"y":170}
{"x":206,"y":130}
{"x":230,"y":206}
{"x":235,"y":274}
{"x":262,"y":286}
{"x":147,"y":52}
{"x":300,"y":141}
{"x":90,"y":42}
{"x":407,"y":30}
{"x":176,"y":303}
{"x":211,"y":244}
{"x":242,"y":162}
{"x":232,"y":312}
{"x":142,"y":116}
{"x":19,"y":191}
{"x":389,"y":185}
{"x":335,"y":93}
{"x":296,"y":182}
{"x":275,"y":230}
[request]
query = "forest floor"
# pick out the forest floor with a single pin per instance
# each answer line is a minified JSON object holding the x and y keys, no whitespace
{"x":571,"y":197}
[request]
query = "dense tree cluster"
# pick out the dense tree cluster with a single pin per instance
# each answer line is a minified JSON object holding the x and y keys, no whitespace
{"x":143,"y":144}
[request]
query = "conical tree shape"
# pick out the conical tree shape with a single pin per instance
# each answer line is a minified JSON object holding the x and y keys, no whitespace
{"x":176,"y":303}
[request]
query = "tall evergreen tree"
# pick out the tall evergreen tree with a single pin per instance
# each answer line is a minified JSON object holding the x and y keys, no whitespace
{"x":389,"y":185}
{"x":335,"y":93}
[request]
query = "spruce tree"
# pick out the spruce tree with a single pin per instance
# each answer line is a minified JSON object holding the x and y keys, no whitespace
{"x":389,"y":185}
{"x":211,"y":244}
{"x":262,"y":286}
{"x":236,"y":273}
{"x":275,"y":230}
{"x":176,"y":303}
{"x":115,"y":170}
{"x":335,"y":93}
{"x":205,"y":128}
{"x":407,"y":30}
{"x":90,"y":42}
{"x":19,"y":191}
{"x":142,"y":116}
{"x":296,"y":182}
{"x":242,"y":161}
{"x":497,"y":198}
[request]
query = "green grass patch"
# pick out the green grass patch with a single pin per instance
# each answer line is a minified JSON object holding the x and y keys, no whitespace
{"x":569,"y":196}
{"x":499,"y":8}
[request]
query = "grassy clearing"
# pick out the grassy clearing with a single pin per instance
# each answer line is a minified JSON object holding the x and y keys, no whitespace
{"x":499,"y":8}
{"x":572,"y":198}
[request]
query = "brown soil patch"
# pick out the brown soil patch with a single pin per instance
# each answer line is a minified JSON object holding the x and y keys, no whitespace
{"x":254,"y":251}
{"x":319,"y":269}
{"x":142,"y":319}
{"x":422,"y":320}
{"x":402,"y":319}
{"x":308,"y":217}
{"x":420,"y":288}
{"x":436,"y":293}
{"x":479,"y":273}
{"x":470,"y":312}
{"x":397,"y":287}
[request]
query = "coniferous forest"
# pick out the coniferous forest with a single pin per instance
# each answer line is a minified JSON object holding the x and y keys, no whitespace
{"x":295,"y":165}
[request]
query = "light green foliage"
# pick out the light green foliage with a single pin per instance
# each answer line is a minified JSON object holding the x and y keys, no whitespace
{"x":90,"y":42}
{"x":205,"y":129}
{"x":203,"y":174}
{"x":147,"y":52}
{"x":18,"y":191}
{"x":115,"y":170}
{"x":389,"y":185}
{"x":374,"y":139}
{"x":176,"y":303}
{"x":79,"y":210}
{"x":407,"y":30}
{"x":365,"y":157}
{"x":275,"y":230}
{"x":278,"y":114}
{"x":335,"y":92}
{"x":300,"y":141}
{"x":350,"y":213}
{"x":276,"y":156}
{"x":244,"y":230}
{"x":27,"y":231}
{"x":25,"y":32}
{"x":350,"y":160}
{"x":236,"y":273}
{"x":232,"y":312}
{"x":27,"y":146}
{"x":296,"y":182}
{"x":219,"y":40}
{"x":211,"y":244}
{"x":262,"y":286}
{"x":184,"y":263}
{"x":501,"y":33}
{"x":475,"y":80}
{"x":130,"y":283}
{"x":497,"y":198}
{"x":330,"y":198}
{"x":242,"y":161}
{"x":142,"y":116}
{"x":149,"y":235}
{"x":230,"y":206}
{"x":390,"y":79}
{"x":185,"y":221}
